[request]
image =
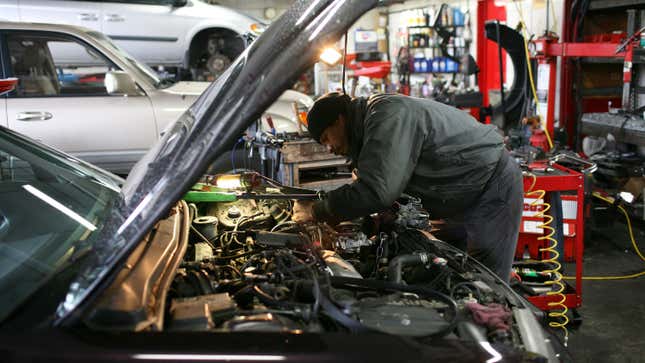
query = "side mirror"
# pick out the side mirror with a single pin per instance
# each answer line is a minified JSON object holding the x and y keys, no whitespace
{"x":179,"y":3}
{"x":120,"y":83}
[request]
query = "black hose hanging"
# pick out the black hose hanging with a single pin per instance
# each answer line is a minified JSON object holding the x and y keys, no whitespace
{"x":342,"y":80}
{"x":501,"y":71}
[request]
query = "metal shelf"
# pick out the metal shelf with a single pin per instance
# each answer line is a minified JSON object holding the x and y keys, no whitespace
{"x":433,"y":73}
{"x":434,"y":27}
{"x":604,"y":4}
{"x":438,"y":47}
{"x":602,"y":92}
{"x":601,"y":60}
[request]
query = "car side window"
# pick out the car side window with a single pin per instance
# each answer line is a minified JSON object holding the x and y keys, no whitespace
{"x":13,"y":169}
{"x":56,"y":66}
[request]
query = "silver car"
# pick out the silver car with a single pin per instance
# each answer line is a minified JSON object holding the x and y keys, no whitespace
{"x":81,"y":93}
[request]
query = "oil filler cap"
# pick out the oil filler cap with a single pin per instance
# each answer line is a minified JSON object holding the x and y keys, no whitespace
{"x":234,"y":212}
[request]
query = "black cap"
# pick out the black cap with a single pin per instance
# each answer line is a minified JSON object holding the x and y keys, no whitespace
{"x":325,"y":111}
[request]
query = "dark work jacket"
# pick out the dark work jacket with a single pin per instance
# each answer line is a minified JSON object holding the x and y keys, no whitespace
{"x":423,"y":148}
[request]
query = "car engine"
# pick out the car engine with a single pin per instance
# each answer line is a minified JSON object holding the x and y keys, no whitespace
{"x":249,"y":267}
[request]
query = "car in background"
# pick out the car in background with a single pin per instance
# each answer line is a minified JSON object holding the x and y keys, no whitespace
{"x":83,"y":94}
{"x":189,"y":34}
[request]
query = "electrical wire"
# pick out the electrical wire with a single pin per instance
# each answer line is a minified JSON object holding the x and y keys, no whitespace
{"x":629,"y":223}
{"x":558,"y":309}
{"x":634,"y":245}
{"x":528,"y":65}
{"x":233,"y":153}
{"x":607,"y":278}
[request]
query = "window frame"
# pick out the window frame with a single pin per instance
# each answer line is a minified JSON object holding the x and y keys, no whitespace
{"x":8,"y":70}
{"x":142,"y":2}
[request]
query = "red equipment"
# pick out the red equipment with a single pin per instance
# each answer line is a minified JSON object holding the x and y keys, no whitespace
{"x":550,"y":177}
{"x":547,"y":50}
{"x":371,"y":69}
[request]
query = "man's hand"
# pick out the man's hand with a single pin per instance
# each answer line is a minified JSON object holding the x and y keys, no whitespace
{"x":303,"y":211}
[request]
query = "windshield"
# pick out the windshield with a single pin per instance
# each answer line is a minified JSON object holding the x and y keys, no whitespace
{"x":144,"y":71}
{"x":51,"y":207}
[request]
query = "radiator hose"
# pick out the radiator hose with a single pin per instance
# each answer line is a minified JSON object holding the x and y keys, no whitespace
{"x":395,"y":268}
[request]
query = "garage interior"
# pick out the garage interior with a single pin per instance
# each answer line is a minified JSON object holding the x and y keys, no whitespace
{"x":562,"y":80}
{"x":580,"y":102}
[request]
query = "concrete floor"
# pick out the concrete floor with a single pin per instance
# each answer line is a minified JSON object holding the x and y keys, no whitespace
{"x":613,"y":312}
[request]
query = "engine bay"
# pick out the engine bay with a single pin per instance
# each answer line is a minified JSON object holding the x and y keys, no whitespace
{"x":231,"y":262}
{"x":249,"y":267}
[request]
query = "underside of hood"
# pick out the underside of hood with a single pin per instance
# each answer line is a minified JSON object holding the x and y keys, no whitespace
{"x":210,"y":127}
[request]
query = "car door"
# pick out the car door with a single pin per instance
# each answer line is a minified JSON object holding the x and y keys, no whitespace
{"x":62,"y":101}
{"x":151,"y":30}
{"x":82,"y":13}
{"x":3,"y":110}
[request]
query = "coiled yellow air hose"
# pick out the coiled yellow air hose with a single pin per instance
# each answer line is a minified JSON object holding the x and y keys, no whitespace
{"x":558,"y":309}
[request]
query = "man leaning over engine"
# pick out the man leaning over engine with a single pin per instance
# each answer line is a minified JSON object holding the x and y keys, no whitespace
{"x":399,"y":144}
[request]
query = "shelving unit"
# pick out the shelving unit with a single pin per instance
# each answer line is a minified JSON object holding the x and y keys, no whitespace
{"x":433,"y":48}
{"x":437,"y":48}
{"x":590,"y":82}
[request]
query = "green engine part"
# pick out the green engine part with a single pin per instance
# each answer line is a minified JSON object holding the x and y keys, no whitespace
{"x":208,"y":193}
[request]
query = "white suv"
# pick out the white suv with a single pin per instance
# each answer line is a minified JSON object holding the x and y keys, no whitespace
{"x":81,"y":93}
{"x":189,"y":34}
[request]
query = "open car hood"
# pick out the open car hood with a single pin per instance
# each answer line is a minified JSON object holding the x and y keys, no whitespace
{"x":210,"y":127}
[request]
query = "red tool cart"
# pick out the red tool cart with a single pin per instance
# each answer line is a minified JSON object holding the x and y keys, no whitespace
{"x":549,"y":177}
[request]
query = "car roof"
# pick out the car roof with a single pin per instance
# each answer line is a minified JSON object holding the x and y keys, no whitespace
{"x":64,"y":28}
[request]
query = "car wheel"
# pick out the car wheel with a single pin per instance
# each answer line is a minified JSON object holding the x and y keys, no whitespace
{"x":212,"y":52}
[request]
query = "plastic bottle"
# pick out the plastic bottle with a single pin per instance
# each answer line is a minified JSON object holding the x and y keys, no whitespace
{"x":419,"y":62}
{"x":431,"y":14}
{"x":428,"y":59}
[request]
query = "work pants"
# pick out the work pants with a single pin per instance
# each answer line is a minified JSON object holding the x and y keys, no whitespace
{"x":492,"y":225}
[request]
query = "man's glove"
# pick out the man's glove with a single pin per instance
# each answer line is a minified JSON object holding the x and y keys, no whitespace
{"x":303,"y":211}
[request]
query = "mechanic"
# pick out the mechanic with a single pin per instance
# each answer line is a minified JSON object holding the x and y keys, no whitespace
{"x":457,"y":166}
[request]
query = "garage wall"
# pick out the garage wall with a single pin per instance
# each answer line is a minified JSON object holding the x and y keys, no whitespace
{"x":533,"y":13}
{"x":398,"y":23}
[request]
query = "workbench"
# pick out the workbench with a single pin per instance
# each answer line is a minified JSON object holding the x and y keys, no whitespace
{"x":308,"y":164}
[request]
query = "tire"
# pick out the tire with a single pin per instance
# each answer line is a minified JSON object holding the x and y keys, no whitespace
{"x":212,"y":51}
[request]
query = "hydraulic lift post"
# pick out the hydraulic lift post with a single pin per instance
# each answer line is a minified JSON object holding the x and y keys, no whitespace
{"x":548,"y":49}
